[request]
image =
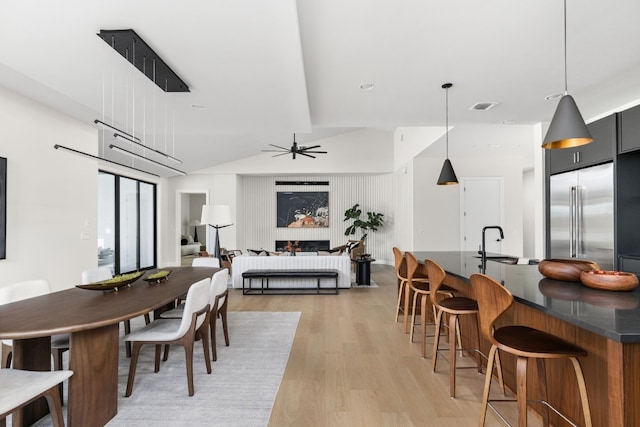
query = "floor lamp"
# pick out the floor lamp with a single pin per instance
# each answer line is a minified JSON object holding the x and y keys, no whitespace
{"x":217,"y":216}
{"x":195,"y":224}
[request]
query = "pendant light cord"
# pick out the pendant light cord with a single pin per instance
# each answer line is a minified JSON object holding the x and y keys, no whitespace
{"x":446,"y":119}
{"x":566,"y":91}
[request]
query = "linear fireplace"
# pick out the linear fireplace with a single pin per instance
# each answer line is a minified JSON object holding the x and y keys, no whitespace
{"x":305,"y":245}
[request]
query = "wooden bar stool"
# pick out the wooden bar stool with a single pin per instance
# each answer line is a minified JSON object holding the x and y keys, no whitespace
{"x":403,"y":286}
{"x":422,"y":291}
{"x":524,"y":343}
{"x":454,"y":307}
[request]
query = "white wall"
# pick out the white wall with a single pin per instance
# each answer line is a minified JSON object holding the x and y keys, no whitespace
{"x":436,"y":209}
{"x":51,"y":194}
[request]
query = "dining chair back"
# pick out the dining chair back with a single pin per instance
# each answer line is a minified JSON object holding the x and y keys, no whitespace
{"x":96,"y":275}
{"x":24,"y":290}
{"x":198,"y":297}
{"x":19,"y":388}
{"x":206,"y":262}
{"x":220,"y":290}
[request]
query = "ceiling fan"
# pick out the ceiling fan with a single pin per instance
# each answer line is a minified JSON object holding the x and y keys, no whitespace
{"x":295,"y":149}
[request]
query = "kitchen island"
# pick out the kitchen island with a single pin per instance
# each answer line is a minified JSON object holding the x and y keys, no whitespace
{"x":606,"y":324}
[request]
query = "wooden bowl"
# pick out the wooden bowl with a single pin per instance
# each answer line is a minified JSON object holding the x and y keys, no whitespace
{"x":565,"y":269}
{"x":609,"y":280}
{"x":114,"y":283}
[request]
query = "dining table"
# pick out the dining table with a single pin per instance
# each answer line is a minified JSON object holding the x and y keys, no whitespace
{"x":91,"y":318}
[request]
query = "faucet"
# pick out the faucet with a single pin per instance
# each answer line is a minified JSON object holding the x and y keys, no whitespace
{"x":484,"y":251}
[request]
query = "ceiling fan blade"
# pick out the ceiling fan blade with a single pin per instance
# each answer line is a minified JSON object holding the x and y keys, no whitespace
{"x":316,"y":152}
{"x":282,"y":148}
{"x":309,"y":148}
{"x":281,"y":154}
{"x":305,"y":154}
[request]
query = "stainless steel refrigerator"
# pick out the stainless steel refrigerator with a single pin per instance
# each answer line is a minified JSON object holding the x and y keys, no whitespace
{"x":581,"y":215}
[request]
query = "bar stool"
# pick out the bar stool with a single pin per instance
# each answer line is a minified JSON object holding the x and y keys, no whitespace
{"x":421,"y":290}
{"x":403,"y":285}
{"x":524,"y":343}
{"x":454,"y":307}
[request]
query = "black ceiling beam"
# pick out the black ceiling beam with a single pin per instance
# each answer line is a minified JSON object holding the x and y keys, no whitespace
{"x":123,"y":40}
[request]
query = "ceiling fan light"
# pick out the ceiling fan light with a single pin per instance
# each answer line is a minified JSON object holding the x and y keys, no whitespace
{"x":447,"y":175}
{"x":567,"y":128}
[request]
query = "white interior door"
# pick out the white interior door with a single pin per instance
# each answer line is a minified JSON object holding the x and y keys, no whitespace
{"x":481,"y":204}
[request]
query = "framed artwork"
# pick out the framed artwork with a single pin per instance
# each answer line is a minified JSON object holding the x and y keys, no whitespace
{"x":303,"y":209}
{"x":3,"y":208}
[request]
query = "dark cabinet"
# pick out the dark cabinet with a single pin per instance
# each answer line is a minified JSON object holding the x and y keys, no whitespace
{"x":629,"y":130}
{"x":600,"y":150}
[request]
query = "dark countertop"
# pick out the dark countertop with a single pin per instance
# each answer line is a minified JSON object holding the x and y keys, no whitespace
{"x":615,"y":315}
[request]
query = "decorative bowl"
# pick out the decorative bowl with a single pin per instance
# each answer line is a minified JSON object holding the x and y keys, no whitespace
{"x":158,"y":276}
{"x":565,"y":269}
{"x":114,"y":283}
{"x":609,"y":280}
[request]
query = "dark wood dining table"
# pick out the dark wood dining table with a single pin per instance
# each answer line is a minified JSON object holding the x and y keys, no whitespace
{"x":92,"y":319}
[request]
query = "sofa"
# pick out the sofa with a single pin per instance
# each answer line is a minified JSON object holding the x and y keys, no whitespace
{"x":341,"y":262}
{"x":188,"y":246}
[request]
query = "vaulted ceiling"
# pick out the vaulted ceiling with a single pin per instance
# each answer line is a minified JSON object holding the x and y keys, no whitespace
{"x":260,"y":70}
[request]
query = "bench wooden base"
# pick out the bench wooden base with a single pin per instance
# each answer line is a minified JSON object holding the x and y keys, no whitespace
{"x":265,"y":275}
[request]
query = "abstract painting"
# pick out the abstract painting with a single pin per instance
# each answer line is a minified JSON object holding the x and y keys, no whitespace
{"x":303,"y":209}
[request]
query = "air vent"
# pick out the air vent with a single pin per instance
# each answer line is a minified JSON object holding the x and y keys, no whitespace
{"x":483,"y":106}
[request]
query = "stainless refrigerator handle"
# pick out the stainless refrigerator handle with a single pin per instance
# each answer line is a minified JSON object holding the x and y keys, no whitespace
{"x":572,"y":222}
{"x":578,"y":220}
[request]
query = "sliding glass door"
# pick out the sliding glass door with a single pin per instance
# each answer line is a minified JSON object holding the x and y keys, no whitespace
{"x":128,"y":213}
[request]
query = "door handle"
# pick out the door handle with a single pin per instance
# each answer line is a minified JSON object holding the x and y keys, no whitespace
{"x":572,"y":222}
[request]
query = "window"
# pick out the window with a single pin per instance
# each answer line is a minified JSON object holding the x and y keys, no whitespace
{"x":126,"y":223}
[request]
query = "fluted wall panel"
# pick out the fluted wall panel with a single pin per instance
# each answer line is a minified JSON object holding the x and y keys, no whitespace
{"x":256,"y":216}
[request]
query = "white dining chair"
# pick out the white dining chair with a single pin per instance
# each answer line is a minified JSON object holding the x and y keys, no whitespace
{"x":206,"y":262}
{"x":184,"y":331}
{"x":24,"y":290}
{"x":218,"y":295}
{"x":19,"y":388}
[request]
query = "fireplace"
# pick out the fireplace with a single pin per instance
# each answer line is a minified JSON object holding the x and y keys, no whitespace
{"x":305,"y":245}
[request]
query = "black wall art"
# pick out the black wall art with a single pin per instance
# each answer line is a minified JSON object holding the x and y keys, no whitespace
{"x":303,"y":209}
{"x":3,"y":208}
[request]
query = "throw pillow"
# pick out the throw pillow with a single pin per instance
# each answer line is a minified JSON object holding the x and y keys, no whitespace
{"x":183,"y":241}
{"x":190,"y":240}
{"x":257,"y":252}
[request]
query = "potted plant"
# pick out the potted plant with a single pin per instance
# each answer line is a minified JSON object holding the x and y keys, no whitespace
{"x":371,"y":223}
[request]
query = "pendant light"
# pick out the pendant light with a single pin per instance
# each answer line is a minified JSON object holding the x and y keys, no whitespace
{"x":447,"y":175}
{"x":567,"y":128}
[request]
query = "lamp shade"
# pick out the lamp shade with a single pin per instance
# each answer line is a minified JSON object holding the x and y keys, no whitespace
{"x":216,"y":215}
{"x":194,"y":223}
{"x":567,"y":128}
{"x":447,"y":175}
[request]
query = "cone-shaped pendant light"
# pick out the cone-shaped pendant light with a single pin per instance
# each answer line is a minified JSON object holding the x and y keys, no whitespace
{"x":447,"y":175}
{"x":567,"y":128}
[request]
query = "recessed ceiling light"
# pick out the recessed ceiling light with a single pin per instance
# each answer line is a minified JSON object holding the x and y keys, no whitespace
{"x":198,"y":106}
{"x":508,"y":122}
{"x":367,"y":86}
{"x":552,"y":97}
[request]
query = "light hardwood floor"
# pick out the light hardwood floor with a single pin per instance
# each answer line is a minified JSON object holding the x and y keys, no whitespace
{"x":351,"y":365}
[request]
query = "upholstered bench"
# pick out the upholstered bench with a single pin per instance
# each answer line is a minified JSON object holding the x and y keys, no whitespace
{"x":265,"y":275}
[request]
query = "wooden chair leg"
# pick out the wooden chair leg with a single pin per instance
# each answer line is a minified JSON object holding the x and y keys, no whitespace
{"x":147,"y":319}
{"x":55,"y":406}
{"x":188,"y":353}
{"x":156,"y":364}
{"x":521,"y":390}
{"x":413,"y":316}
{"x":453,"y":319}
{"x":436,"y":340}
{"x":225,"y":328}
{"x":407,"y":300}
{"x":204,"y":335}
{"x":127,"y":331}
{"x":165,"y":357}
{"x":135,"y":351}
{"x":542,"y":383}
{"x":400,"y":295}
{"x":586,"y":411}
{"x":477,"y":356}
{"x":56,"y":353}
{"x":487,"y":385}
{"x":212,"y":330}
{"x":423,"y":323}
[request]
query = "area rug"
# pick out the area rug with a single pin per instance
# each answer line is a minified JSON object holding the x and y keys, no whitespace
{"x":239,"y":392}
